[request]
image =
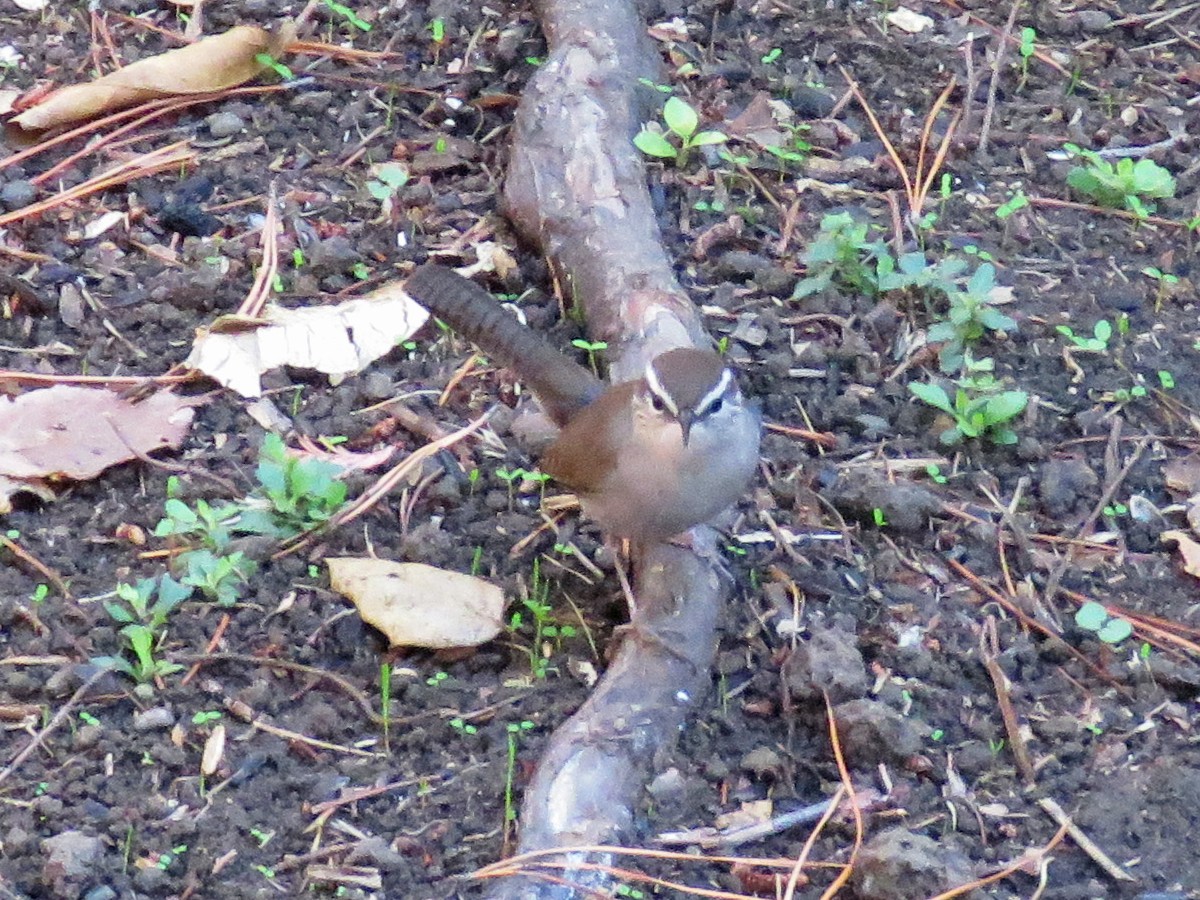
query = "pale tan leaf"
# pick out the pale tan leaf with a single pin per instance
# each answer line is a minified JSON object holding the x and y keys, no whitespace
{"x":212,"y":64}
{"x":214,"y":750}
{"x":1189,"y":550}
{"x":416,"y":605}
{"x":77,"y":432}
{"x":31,"y":5}
{"x":910,"y":21}
{"x":336,"y":340}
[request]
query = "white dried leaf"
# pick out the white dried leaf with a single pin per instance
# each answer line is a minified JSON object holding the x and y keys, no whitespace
{"x":336,"y":340}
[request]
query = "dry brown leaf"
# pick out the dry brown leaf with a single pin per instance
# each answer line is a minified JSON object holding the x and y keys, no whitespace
{"x":1189,"y":550}
{"x":212,"y":64}
{"x":416,"y":605}
{"x":337,"y":340}
{"x":75,"y":432}
{"x":1182,"y":474}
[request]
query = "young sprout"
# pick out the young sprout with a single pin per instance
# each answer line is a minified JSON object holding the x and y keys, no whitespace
{"x":681,"y":121}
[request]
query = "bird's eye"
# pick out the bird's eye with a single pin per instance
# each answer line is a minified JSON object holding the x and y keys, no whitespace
{"x":657,"y":402}
{"x":715,"y":406}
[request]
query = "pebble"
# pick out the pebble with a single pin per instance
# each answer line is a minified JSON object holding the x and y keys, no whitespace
{"x":224,"y":124}
{"x":16,"y":194}
{"x":157,"y":718}
{"x":899,"y":864}
{"x":70,"y":854}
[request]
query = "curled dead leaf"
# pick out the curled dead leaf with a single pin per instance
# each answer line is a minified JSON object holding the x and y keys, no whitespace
{"x":212,"y":64}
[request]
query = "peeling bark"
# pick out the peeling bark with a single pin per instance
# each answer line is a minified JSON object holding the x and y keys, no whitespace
{"x":576,"y":187}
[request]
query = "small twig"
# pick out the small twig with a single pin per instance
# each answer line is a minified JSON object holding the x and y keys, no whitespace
{"x":989,"y":651}
{"x":33,"y":562}
{"x":59,"y":718}
{"x":1099,"y":857}
{"x":994,"y":83}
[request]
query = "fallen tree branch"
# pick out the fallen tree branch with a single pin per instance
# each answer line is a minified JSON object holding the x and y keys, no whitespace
{"x":576,"y":187}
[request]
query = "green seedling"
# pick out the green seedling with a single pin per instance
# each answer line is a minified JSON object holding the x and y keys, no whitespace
{"x":143,"y":611}
{"x":654,"y":85}
{"x":681,"y":121}
{"x":591,"y":348}
{"x":210,"y":526}
{"x":267,"y":61}
{"x":971,"y":315}
{"x":437,"y":678}
{"x":204,"y":717}
{"x":1016,"y":202}
{"x":1027,"y":49}
{"x":263,"y":837}
{"x":795,"y":150}
{"x":1166,"y":282}
{"x":385,"y":701}
{"x":219,"y":578}
{"x":1093,"y":617}
{"x":437,"y":30}
{"x":841,"y":256}
{"x":298,"y":495}
{"x":513,"y":732}
{"x":1097,"y":343}
{"x":1127,"y":185}
{"x":771,"y":56}
{"x":974,"y":416}
{"x":361,"y":271}
{"x":40,"y":593}
{"x":463,"y":727}
{"x":879,"y":517}
{"x":348,"y":14}
{"x":1166,"y":379}
{"x":87,"y":718}
{"x":389,"y":179}
{"x":1113,"y":510}
{"x":933,"y":470}
{"x":548,"y":634}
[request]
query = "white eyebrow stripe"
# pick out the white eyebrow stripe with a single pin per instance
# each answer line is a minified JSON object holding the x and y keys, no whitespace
{"x":717,"y":392}
{"x":656,"y":388}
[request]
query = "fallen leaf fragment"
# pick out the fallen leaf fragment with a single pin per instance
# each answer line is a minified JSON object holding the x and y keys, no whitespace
{"x":907,"y":20}
{"x":1188,"y":549}
{"x":76,"y":432}
{"x":336,"y":340}
{"x":212,"y":64}
{"x":416,"y":605}
{"x":31,"y":5}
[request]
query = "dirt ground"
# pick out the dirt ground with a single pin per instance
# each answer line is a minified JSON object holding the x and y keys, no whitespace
{"x":899,"y":588}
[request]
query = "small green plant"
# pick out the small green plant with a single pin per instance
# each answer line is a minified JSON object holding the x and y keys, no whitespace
{"x":934,"y":471}
{"x":970,"y":316}
{"x":389,"y":179}
{"x":299,"y":494}
{"x":1097,"y":343}
{"x":143,"y":612}
{"x":210,"y":526}
{"x":219,"y":578}
{"x":513,"y":732}
{"x":1015,"y":203}
{"x":771,"y":56}
{"x":681,"y":121}
{"x":1166,"y":379}
{"x":1027,"y":49}
{"x":40,"y":593}
{"x":463,"y":727}
{"x":591,"y":348}
{"x":437,"y":678}
{"x":1113,"y":510}
{"x":437,"y":30}
{"x":1093,"y":617}
{"x":267,"y":61}
{"x":262,"y":836}
{"x":385,"y":701}
{"x":1127,"y":185}
{"x":204,"y":717}
{"x":87,"y":718}
{"x":360,"y":270}
{"x":348,"y":14}
{"x":843,"y":256}
{"x":548,"y":634}
{"x":879,"y":517}
{"x":974,"y":416}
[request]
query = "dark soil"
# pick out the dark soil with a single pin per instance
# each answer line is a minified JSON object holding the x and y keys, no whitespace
{"x":884,"y":615}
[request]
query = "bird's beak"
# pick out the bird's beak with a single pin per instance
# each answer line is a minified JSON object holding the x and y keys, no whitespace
{"x":686,"y":419}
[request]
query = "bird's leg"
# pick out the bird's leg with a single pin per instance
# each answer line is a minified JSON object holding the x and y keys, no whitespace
{"x":619,"y":548}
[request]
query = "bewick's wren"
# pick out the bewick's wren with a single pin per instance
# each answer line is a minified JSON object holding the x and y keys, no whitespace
{"x":648,"y":458}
